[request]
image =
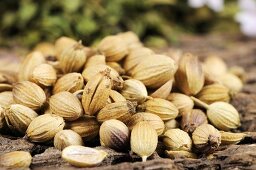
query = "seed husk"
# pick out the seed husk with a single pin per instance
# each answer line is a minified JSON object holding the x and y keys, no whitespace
{"x":191,"y":120}
{"x":129,"y":38}
{"x":29,"y":94}
{"x":92,"y":71}
{"x":87,"y":127}
{"x":228,"y":138}
{"x":114,"y":134}
{"x":6,"y":99}
{"x":81,"y":156}
{"x":116,"y":66}
{"x":143,"y":139}
{"x":214,"y":93}
{"x":163,"y":91}
{"x":222,"y":115}
{"x":16,"y":160}
{"x":135,"y":56}
{"x":155,"y":71}
{"x":44,"y":74}
{"x":66,"y":105}
{"x":171,"y":124}
{"x":134,"y":90}
{"x":183,"y":102}
{"x":232,"y":82}
{"x":95,"y":60}
{"x":179,"y":154}
{"x":122,"y":111}
{"x":206,"y":138}
{"x":30,"y":62}
{"x":215,"y":66}
{"x":115,"y":96}
{"x":73,"y":58}
{"x":44,"y":127}
{"x":18,"y":117}
{"x":176,"y":139}
{"x":70,"y":82}
{"x":63,"y":43}
{"x":163,"y":108}
{"x":151,"y":118}
{"x":47,"y":49}
{"x":189,"y":76}
{"x":96,"y":93}
{"x":113,"y":48}
{"x":65,"y":138}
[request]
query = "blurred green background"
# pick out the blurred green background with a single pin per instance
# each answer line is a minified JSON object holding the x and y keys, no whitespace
{"x":157,"y":22}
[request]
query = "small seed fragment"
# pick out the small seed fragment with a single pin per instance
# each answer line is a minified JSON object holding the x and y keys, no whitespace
{"x":16,"y":160}
{"x":81,"y":156}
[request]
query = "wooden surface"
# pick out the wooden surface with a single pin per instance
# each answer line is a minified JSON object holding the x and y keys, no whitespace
{"x":235,"y":51}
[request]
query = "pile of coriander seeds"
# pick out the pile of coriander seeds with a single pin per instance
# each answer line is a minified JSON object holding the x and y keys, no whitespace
{"x":122,"y":94}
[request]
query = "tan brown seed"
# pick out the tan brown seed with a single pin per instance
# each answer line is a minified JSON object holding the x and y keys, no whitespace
{"x":122,"y":111}
{"x":30,"y":62}
{"x":176,"y":139}
{"x":86,"y":126}
{"x":222,"y":115}
{"x":18,"y":117}
{"x":44,"y":74}
{"x":152,"y":119}
{"x":163,"y":108}
{"x":134,"y":90}
{"x":66,"y":105}
{"x":73,"y":58}
{"x":191,"y":120}
{"x":163,"y":91}
{"x":6,"y":99}
{"x":95,"y":60}
{"x":44,"y":127}
{"x":96,"y":93}
{"x":215,"y":66}
{"x":155,"y":71}
{"x":47,"y":49}
{"x":114,"y":134}
{"x":232,"y":82}
{"x":70,"y":82}
{"x":135,"y":56}
{"x":214,"y":93}
{"x":183,"y":102}
{"x":65,"y":138}
{"x":143,"y":140}
{"x":62,"y":43}
{"x":29,"y":94}
{"x":189,"y":76}
{"x":16,"y":160}
{"x":179,"y":154}
{"x":206,"y":138}
{"x":92,"y":71}
{"x":116,"y":66}
{"x":114,"y":96}
{"x":113,"y":48}
{"x":228,"y":138}
{"x":171,"y":124}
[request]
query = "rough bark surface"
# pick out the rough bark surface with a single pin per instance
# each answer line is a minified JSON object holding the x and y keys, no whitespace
{"x":235,"y":51}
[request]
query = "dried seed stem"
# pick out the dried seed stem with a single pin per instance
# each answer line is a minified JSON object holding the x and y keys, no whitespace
{"x":199,"y":102}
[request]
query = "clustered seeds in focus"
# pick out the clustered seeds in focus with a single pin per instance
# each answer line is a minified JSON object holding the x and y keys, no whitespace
{"x":121,"y":95}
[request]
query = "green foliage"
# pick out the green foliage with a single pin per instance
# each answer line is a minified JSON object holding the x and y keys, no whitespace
{"x":27,"y":22}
